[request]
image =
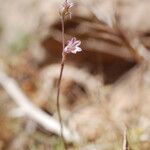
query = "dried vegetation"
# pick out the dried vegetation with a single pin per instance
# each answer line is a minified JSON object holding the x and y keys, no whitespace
{"x":103,"y":89}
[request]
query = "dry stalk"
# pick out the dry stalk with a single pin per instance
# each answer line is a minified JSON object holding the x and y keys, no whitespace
{"x":72,"y":47}
{"x":125,"y":140}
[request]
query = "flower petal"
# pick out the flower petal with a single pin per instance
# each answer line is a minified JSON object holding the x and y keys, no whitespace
{"x":73,"y":46}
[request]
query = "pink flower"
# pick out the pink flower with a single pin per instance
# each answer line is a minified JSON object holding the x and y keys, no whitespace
{"x":66,"y":8}
{"x":73,"y":46}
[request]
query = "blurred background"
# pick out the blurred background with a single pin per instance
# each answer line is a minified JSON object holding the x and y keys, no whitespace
{"x":105,"y":88}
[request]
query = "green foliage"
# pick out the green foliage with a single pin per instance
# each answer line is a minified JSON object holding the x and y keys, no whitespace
{"x":58,"y":145}
{"x":19,"y":42}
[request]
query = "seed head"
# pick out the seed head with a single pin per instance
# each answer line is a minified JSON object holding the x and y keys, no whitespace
{"x":73,"y":46}
{"x":66,"y":8}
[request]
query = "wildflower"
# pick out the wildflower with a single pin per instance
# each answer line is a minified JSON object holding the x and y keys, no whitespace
{"x":66,"y":8}
{"x":73,"y":46}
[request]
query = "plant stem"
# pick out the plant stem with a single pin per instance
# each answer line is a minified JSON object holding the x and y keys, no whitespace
{"x":63,"y":35}
{"x":59,"y":84}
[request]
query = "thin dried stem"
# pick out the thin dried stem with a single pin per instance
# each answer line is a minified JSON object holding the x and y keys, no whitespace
{"x":63,"y":34}
{"x":72,"y":47}
{"x":59,"y":84}
{"x":125,"y":140}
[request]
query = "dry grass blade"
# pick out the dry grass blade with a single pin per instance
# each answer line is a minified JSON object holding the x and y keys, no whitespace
{"x":125,"y":140}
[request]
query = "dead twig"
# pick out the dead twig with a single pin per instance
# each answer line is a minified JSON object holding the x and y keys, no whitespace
{"x":32,"y":111}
